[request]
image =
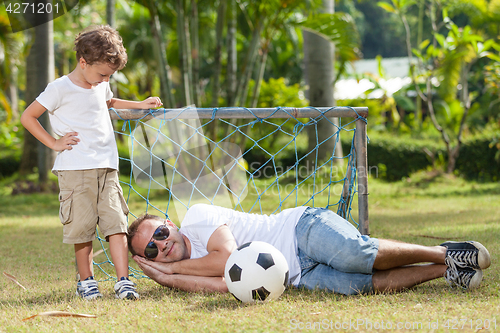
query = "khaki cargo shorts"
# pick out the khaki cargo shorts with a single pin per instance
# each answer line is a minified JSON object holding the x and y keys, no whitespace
{"x":89,"y":198}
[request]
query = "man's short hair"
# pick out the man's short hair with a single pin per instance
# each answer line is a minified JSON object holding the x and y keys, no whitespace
{"x":132,"y":229}
{"x":101,"y":44}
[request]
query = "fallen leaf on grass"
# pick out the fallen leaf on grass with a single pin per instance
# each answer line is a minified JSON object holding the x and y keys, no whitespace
{"x":60,"y":314}
{"x":13,"y":279}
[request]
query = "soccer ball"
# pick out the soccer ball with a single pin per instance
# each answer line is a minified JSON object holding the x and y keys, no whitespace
{"x":256,"y":271}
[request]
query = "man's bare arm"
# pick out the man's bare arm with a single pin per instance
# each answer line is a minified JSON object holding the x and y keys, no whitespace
{"x":188,"y":283}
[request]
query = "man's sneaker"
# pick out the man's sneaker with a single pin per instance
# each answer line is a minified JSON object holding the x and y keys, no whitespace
{"x":125,"y":289}
{"x":466,"y":278}
{"x":87,"y":289}
{"x":466,"y":254}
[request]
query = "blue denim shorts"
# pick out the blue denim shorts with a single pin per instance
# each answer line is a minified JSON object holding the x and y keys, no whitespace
{"x":333,"y":254}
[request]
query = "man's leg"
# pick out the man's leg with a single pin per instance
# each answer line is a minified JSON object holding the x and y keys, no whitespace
{"x":392,"y":254}
{"x":393,"y":274}
{"x":400,"y":278}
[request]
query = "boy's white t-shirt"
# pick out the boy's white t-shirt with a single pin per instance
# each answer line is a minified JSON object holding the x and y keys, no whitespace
{"x":202,"y":220}
{"x":75,"y":109}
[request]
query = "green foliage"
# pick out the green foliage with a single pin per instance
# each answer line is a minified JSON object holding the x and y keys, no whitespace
{"x":382,"y":33}
{"x":124,"y":165}
{"x":446,"y":62}
{"x":398,"y":157}
{"x":380,"y":110}
{"x":274,"y":93}
{"x":10,"y":135}
{"x":480,"y":158}
{"x":10,"y":148}
{"x":9,"y":164}
{"x":339,"y":28}
{"x":395,"y":157}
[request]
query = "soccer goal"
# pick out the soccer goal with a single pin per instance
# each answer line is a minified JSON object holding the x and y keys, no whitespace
{"x":256,"y":160}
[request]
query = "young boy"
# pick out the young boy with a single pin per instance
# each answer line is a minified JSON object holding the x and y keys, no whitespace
{"x":87,"y":159}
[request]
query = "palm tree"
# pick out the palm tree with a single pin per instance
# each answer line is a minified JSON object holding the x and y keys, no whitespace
{"x":40,"y":71}
{"x":319,"y":54}
{"x":10,"y":46}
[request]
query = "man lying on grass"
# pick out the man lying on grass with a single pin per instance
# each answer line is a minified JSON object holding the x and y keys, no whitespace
{"x":322,"y":249}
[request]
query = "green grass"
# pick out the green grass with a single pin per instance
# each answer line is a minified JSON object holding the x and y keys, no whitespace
{"x":424,"y":210}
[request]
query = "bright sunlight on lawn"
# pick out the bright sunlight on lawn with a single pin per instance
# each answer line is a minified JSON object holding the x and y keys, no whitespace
{"x":420,"y":210}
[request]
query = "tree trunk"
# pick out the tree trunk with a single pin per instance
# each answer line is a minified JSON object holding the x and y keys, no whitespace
{"x":12,"y":92}
{"x":110,"y":18}
{"x":248,"y":66}
{"x":110,"y":13}
{"x":231,"y":54}
{"x":221,"y":12}
{"x":318,"y":59}
{"x":40,"y":72}
{"x":260,"y":76}
{"x":184,"y":53}
{"x":195,"y":53}
{"x":161,"y":56}
{"x":452,"y":159}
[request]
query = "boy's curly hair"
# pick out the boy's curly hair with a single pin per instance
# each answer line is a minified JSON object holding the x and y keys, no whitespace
{"x":101,"y":44}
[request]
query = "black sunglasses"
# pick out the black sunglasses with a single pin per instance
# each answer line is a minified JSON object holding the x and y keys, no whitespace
{"x":161,"y":233}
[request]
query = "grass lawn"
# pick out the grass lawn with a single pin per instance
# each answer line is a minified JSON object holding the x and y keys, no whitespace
{"x":421,"y":210}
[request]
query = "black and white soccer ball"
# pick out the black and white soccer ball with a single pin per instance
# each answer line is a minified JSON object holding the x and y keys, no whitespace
{"x":256,"y":271}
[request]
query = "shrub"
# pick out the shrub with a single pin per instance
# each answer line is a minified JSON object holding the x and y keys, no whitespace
{"x":397,"y":157}
{"x":9,"y":164}
{"x":478,"y":160}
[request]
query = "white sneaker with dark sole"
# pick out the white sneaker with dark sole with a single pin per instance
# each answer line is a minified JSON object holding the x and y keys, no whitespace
{"x":125,"y":289}
{"x":87,"y":289}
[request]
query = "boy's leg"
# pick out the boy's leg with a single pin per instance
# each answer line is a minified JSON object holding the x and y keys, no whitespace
{"x":392,"y":254}
{"x":86,"y":287}
{"x":124,"y":288}
{"x":119,"y":254}
{"x":83,"y":255}
{"x":112,"y":219}
{"x":113,"y":209}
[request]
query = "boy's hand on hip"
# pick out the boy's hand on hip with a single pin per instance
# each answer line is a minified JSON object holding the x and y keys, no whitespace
{"x":66,"y":142}
{"x":151,"y":102}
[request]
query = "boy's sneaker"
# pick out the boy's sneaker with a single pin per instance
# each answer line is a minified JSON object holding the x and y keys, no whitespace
{"x":87,"y":289}
{"x":466,"y":278}
{"x":466,"y":254}
{"x":125,"y":289}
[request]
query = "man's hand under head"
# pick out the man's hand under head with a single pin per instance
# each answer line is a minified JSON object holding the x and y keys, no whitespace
{"x":160,"y":273}
{"x":153,"y":267}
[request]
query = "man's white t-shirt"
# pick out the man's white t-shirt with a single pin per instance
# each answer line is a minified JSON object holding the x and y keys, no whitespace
{"x":202,"y":220}
{"x":75,"y":109}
